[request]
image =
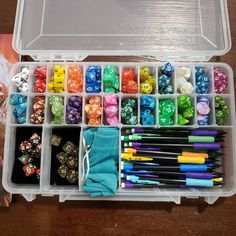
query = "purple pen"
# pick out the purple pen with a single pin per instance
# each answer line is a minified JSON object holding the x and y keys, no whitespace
{"x":135,"y":144}
{"x":147,"y":175}
{"x":130,"y":185}
{"x":137,"y":130}
{"x":197,"y":146}
{"x":195,"y":132}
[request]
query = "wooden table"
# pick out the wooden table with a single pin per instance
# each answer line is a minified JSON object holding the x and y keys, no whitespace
{"x":45,"y":216}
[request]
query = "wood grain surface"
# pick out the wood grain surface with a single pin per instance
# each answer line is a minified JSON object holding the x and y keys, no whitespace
{"x":45,"y":216}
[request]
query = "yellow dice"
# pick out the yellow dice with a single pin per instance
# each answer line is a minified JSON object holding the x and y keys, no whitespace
{"x":51,"y":87}
{"x":59,"y":70}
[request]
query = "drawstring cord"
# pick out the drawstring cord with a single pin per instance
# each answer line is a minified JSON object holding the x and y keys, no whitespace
{"x":87,"y":149}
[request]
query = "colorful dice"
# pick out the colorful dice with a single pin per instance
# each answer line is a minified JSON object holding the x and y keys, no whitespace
{"x":93,"y":110}
{"x":164,"y":79}
{"x":111,"y":109}
{"x":40,"y":73}
{"x":20,"y":80}
{"x":38,"y":110}
{"x":129,"y":81}
{"x":58,"y":80}
{"x":75,"y":79}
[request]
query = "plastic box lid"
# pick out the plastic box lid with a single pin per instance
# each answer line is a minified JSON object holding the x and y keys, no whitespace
{"x":167,"y":29}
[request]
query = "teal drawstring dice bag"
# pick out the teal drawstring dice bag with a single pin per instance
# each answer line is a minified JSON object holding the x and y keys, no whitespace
{"x":101,"y":167}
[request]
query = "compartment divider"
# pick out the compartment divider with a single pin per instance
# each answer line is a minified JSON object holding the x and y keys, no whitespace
{"x":45,"y":167}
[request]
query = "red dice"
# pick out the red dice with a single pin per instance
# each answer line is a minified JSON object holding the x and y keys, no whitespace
{"x":40,"y":79}
{"x":129,"y":81}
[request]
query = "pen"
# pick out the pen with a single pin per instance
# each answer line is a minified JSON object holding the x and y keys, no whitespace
{"x":198,"y":132}
{"x":197,"y":146}
{"x":130,"y":185}
{"x":194,"y":175}
{"x":189,"y":139}
{"x":188,"y":181}
{"x":178,"y":159}
{"x":182,"y":167}
{"x":144,"y":151}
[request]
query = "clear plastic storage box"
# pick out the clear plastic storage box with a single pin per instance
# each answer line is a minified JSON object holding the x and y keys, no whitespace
{"x":185,"y":33}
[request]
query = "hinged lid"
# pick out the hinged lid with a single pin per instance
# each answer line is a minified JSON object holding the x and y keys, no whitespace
{"x":75,"y":29}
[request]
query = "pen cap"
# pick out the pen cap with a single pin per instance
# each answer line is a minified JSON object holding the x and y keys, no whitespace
{"x":204,"y":132}
{"x":199,"y":175}
{"x":207,"y":146}
{"x":130,"y":150}
{"x":127,"y":184}
{"x":134,"y":144}
{"x":137,"y":130}
{"x":201,"y":139}
{"x":193,"y":167}
{"x":195,"y":154}
{"x":126,"y":155}
{"x":199,"y":182}
{"x":191,"y":160}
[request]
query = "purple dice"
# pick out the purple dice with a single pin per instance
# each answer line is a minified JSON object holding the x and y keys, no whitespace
{"x":74,"y":110}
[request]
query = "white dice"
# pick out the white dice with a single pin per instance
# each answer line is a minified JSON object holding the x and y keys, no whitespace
{"x":24,"y":73}
{"x":21,"y":80}
{"x":183,"y":74}
{"x":187,"y":88}
{"x":23,"y":87}
{"x":17,"y":80}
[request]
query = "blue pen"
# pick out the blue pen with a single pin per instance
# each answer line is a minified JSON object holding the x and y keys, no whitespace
{"x":188,"y":181}
{"x":139,"y":172}
{"x":137,"y":180}
{"x":173,"y":174}
{"x":181,"y":168}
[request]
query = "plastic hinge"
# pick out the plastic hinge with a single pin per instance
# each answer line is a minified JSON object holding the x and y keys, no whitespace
{"x":55,"y":57}
{"x":184,"y":58}
{"x":81,"y":57}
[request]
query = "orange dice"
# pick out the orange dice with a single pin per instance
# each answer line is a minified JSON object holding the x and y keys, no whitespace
{"x":93,"y":110}
{"x":75,"y":79}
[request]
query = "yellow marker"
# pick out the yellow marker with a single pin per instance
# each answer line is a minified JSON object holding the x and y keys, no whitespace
{"x":179,"y":159}
{"x":130,"y":157}
{"x":190,"y":154}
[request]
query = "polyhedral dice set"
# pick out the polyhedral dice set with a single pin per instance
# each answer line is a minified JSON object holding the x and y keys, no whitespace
{"x":118,"y":94}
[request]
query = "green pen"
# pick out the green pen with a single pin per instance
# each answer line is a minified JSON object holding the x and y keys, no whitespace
{"x":189,"y":139}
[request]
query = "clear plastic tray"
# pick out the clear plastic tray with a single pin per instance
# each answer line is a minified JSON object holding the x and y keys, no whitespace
{"x":75,"y":192}
{"x":181,"y":30}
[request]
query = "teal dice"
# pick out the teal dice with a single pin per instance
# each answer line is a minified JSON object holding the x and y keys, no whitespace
{"x":164,"y":79}
{"x":129,"y":111}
